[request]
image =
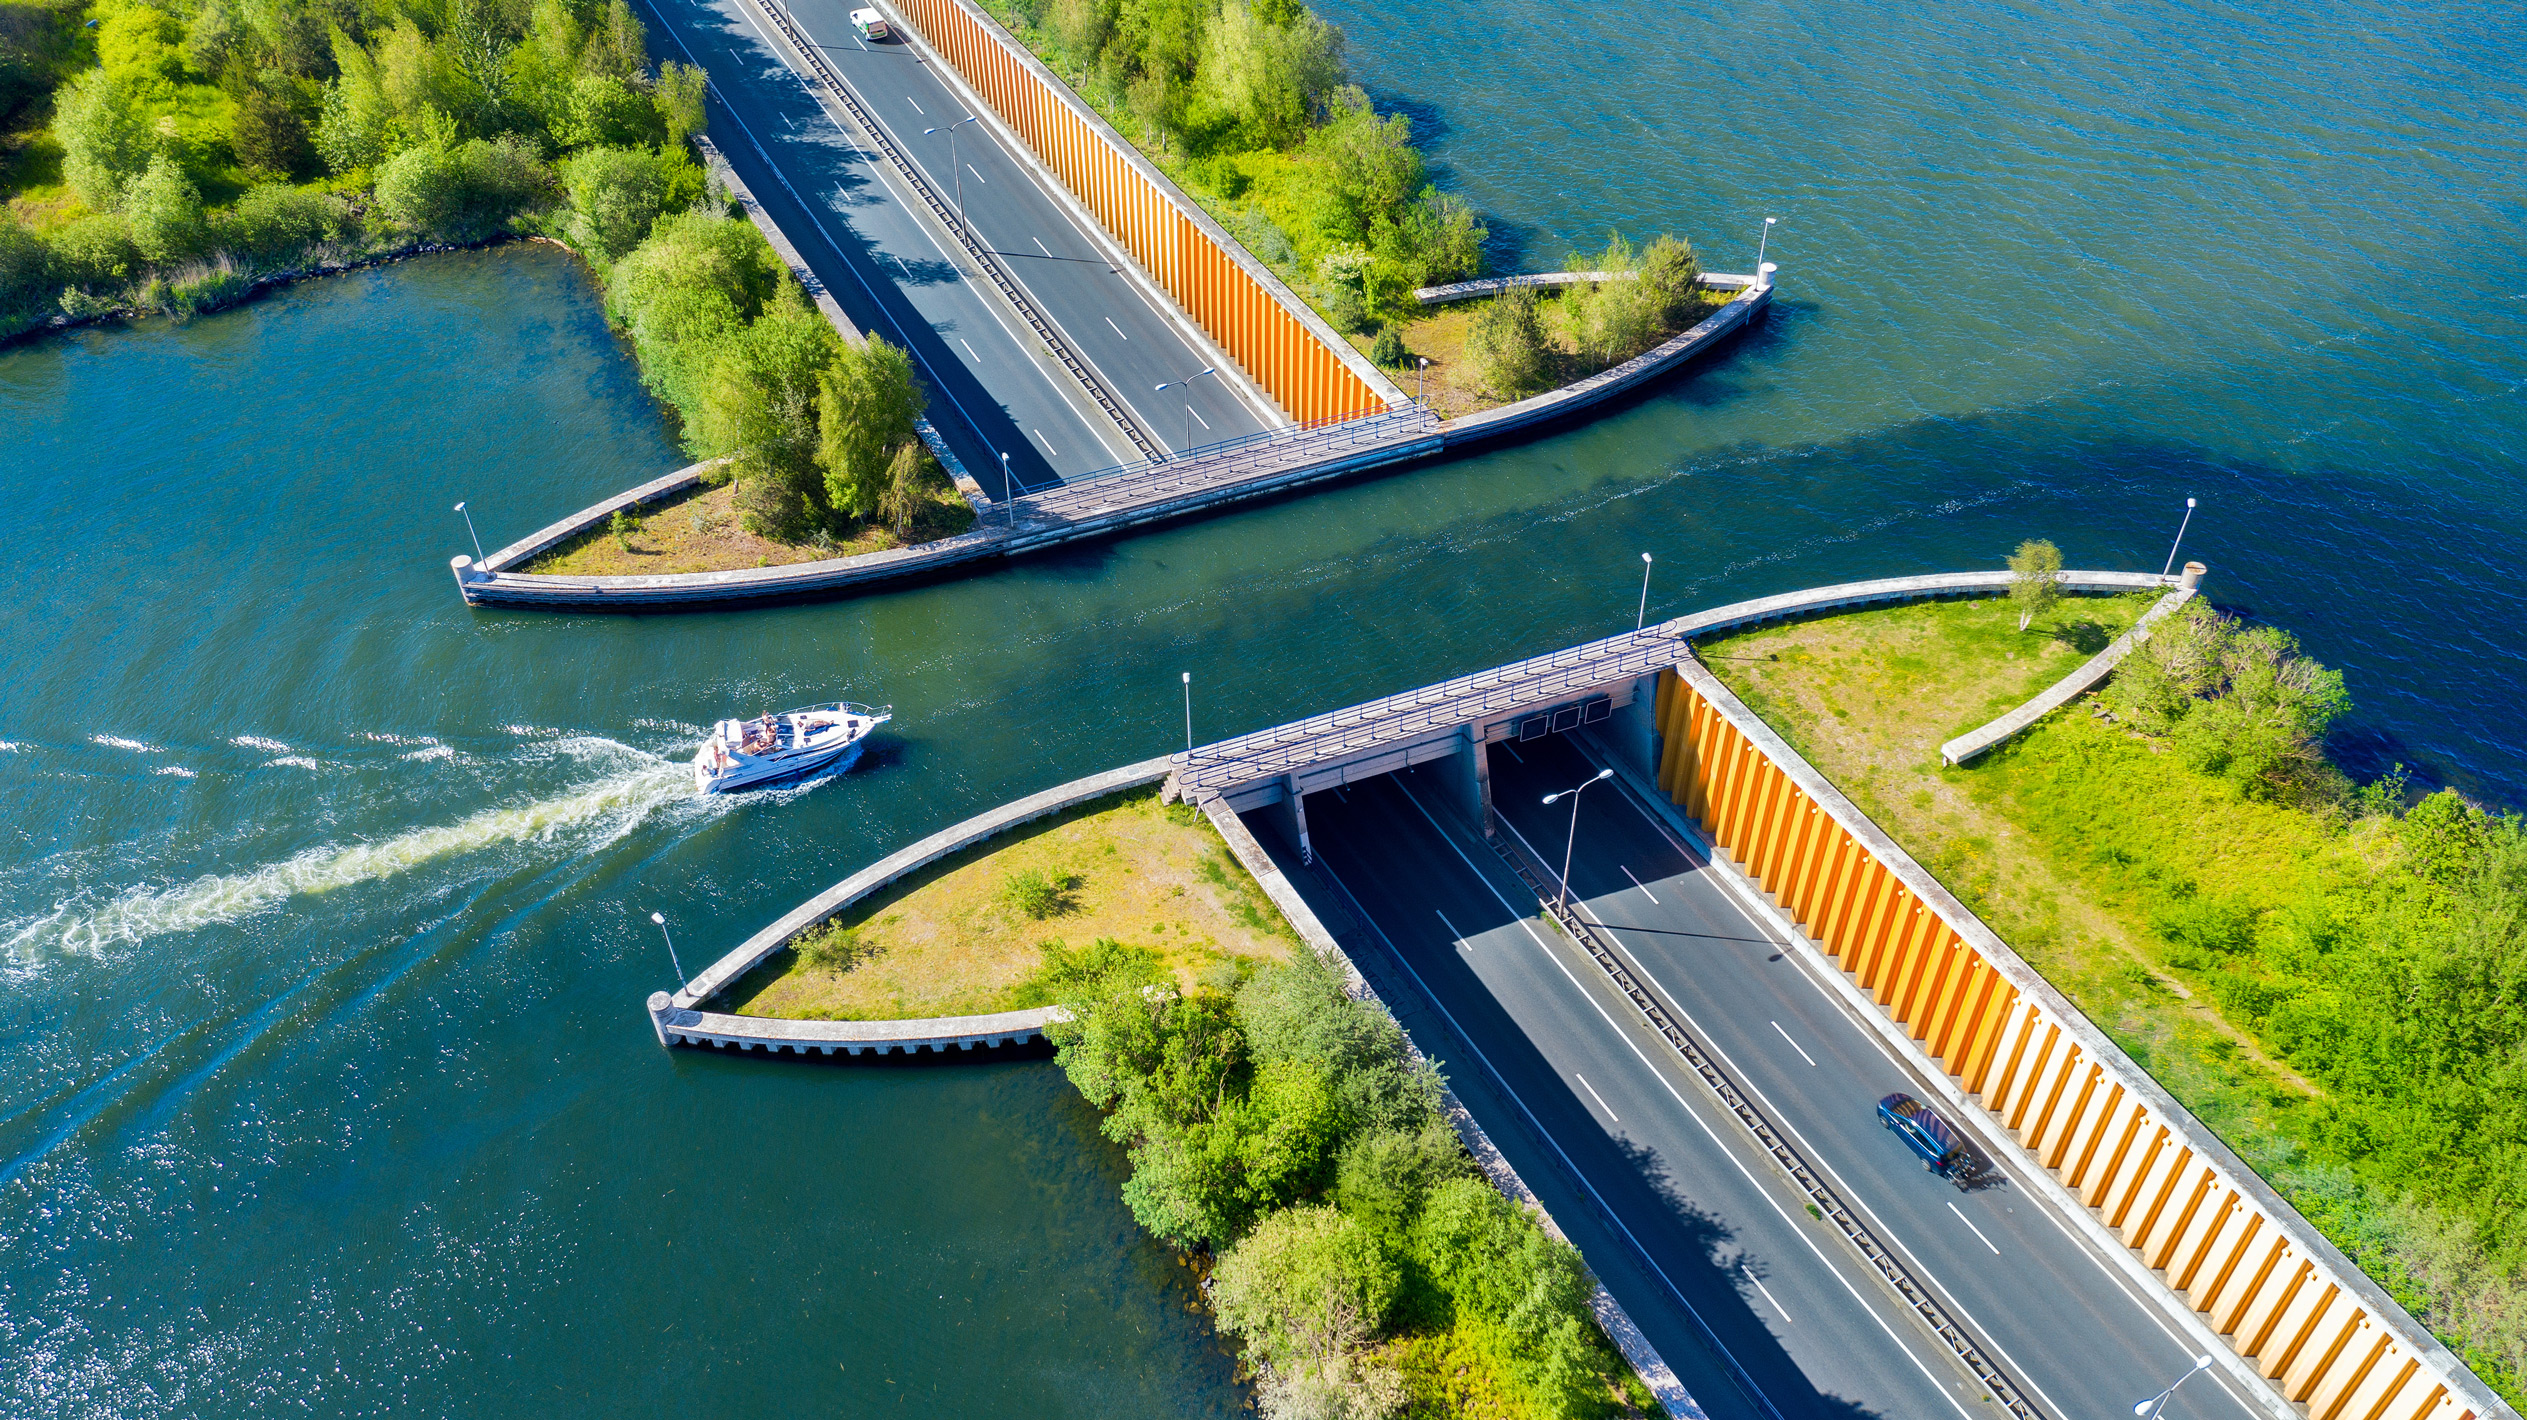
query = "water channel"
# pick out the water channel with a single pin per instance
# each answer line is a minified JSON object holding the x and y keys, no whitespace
{"x":323,"y":908}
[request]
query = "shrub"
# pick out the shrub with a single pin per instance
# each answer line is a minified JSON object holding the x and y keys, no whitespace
{"x":1306,"y":1291}
{"x":164,"y":212}
{"x":105,"y":140}
{"x":616,"y":194}
{"x":1388,"y":349}
{"x":94,"y":254}
{"x":685,"y":295}
{"x":279,"y":225}
{"x":1365,"y":166}
{"x":1506,"y":344}
{"x":1038,"y":894}
{"x":464,"y":193}
{"x":1270,"y":78}
{"x":28,"y":288}
{"x":867,"y":402}
{"x":760,"y":406}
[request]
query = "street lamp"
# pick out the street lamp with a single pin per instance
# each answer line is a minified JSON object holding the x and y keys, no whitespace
{"x":1008,"y":492}
{"x":661,"y":919}
{"x":1641,"y":617}
{"x":1188,"y":675}
{"x":1573,"y":840}
{"x":2171,"y":547}
{"x":1763,"y":241}
{"x":1179,"y":384}
{"x":2157,"y":1404}
{"x":953,"y":170}
{"x":1422,"y":390}
{"x":469,"y":530}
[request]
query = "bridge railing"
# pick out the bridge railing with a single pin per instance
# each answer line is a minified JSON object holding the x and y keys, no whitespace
{"x":1302,"y":441}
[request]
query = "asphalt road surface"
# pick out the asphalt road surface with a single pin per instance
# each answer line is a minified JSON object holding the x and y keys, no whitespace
{"x":1635,"y":1158}
{"x":896,"y":273}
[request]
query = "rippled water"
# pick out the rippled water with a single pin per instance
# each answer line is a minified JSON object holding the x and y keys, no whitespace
{"x":322,"y":914}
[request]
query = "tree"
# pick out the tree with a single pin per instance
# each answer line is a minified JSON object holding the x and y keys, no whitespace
{"x":463,"y":193}
{"x":354,"y":116}
{"x":165,"y":212}
{"x":1430,"y":241}
{"x":1615,"y":319}
{"x":1669,"y":272}
{"x":761,"y":406}
{"x":867,"y":400}
{"x":279,"y":223}
{"x":907,"y":487}
{"x":266,"y":133}
{"x":2035,"y":579}
{"x":1506,"y":343}
{"x":1365,"y":166}
{"x":1307,"y":1291}
{"x":1272,"y":78}
{"x":617,"y":193}
{"x":685,"y":295}
{"x":678,"y":93}
{"x":104,"y":139}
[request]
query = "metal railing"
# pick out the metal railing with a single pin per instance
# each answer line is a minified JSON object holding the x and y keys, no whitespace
{"x":1339,"y":430}
{"x":1820,"y":1195}
{"x":1280,"y":452}
{"x":822,"y":71}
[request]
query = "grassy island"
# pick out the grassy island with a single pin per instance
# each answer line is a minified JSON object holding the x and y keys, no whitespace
{"x":2325,"y":974}
{"x":970,"y":934}
{"x":704,"y":531}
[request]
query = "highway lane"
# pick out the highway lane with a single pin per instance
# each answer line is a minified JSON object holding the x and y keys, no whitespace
{"x":872,"y":246}
{"x":2062,"y":1320}
{"x":1562,"y":1074}
{"x":1107,"y":319}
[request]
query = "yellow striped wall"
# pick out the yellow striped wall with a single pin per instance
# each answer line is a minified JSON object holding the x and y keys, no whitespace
{"x":1277,"y":350}
{"x":2043,"y":1072}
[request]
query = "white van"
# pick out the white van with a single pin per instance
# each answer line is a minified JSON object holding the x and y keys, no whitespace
{"x":870,"y":24}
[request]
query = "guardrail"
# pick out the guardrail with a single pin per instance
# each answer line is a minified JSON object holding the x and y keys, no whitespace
{"x":1043,"y":326}
{"x":1320,"y":434}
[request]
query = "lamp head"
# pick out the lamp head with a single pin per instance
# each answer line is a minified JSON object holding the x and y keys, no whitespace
{"x":928,"y":131}
{"x":461,"y":507}
{"x":1603,"y":774}
{"x":2188,"y":503}
{"x":1549,"y":798}
{"x":658,"y":917}
{"x":2202,"y":1363}
{"x":1188,"y":677}
{"x":1768,"y":221}
{"x":1645,"y":557}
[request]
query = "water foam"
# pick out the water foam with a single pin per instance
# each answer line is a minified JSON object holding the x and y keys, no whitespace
{"x":118,"y":742}
{"x":268,"y":746}
{"x":613,"y":805}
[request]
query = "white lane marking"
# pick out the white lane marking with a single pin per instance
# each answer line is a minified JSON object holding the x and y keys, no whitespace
{"x":1767,"y":1291}
{"x":969,"y":349}
{"x":1197,"y":415}
{"x":1781,"y":1121}
{"x":978,"y":177}
{"x":1600,"y":1099}
{"x":1532,"y":1122}
{"x":1636,"y":882}
{"x":916,"y":107}
{"x":1040,"y":246}
{"x":1458,"y":937}
{"x":1969,"y":1223}
{"x":1047,"y":443}
{"x":1794,"y":1045}
{"x":1109,"y":320}
{"x":1690,"y":1112}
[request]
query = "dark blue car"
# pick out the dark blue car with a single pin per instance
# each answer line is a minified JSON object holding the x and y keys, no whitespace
{"x":1925,"y":1133}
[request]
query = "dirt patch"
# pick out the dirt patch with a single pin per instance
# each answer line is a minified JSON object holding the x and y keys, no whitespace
{"x":700,"y":531}
{"x":965,"y":936}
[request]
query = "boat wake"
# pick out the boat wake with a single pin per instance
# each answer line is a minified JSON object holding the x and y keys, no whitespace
{"x":605,"y":809}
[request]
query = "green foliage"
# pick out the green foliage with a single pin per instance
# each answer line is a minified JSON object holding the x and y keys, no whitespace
{"x":1506,"y":343}
{"x":867,"y":404}
{"x":466,"y":193}
{"x":1366,"y":166}
{"x":617,"y":194}
{"x":679,"y":95}
{"x":2035,"y":579}
{"x":1388,"y":349}
{"x":1290,"y":1126}
{"x":1037,"y":894}
{"x":2234,"y":700}
{"x":685,"y":295}
{"x":105,"y":138}
{"x":1271,"y":76}
{"x":164,"y":213}
{"x":279,"y":225}
{"x":910,"y":476}
{"x":760,"y":406}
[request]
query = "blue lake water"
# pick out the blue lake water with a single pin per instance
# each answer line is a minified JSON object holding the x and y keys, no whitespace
{"x":323,"y":906}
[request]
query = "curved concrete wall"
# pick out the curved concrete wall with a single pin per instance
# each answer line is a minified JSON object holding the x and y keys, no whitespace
{"x":2023,"y":1066}
{"x":2061,"y":692}
{"x":678,"y":1019}
{"x":1570,"y":399}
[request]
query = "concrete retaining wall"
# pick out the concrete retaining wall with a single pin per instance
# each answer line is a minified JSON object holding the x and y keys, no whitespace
{"x":1570,"y":399}
{"x":1493,"y":285}
{"x":2025,"y":1069}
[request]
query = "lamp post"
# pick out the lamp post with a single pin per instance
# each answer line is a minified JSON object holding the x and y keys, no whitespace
{"x":1641,"y":617}
{"x":953,"y":170}
{"x":1421,"y":391}
{"x":1188,"y":675}
{"x":1179,"y":384}
{"x":2157,"y":1404}
{"x":1764,"y":241}
{"x":1008,"y":492}
{"x":469,"y":531}
{"x":2171,"y":547}
{"x":1572,"y":840}
{"x":661,"y":919}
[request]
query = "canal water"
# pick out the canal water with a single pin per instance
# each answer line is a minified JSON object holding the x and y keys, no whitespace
{"x":323,"y":911}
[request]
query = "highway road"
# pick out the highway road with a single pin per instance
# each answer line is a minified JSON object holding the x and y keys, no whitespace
{"x":896,"y":272}
{"x":1113,"y":325}
{"x":1635,"y":1156}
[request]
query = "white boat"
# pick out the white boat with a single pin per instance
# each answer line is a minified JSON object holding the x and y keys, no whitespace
{"x":741,"y":754}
